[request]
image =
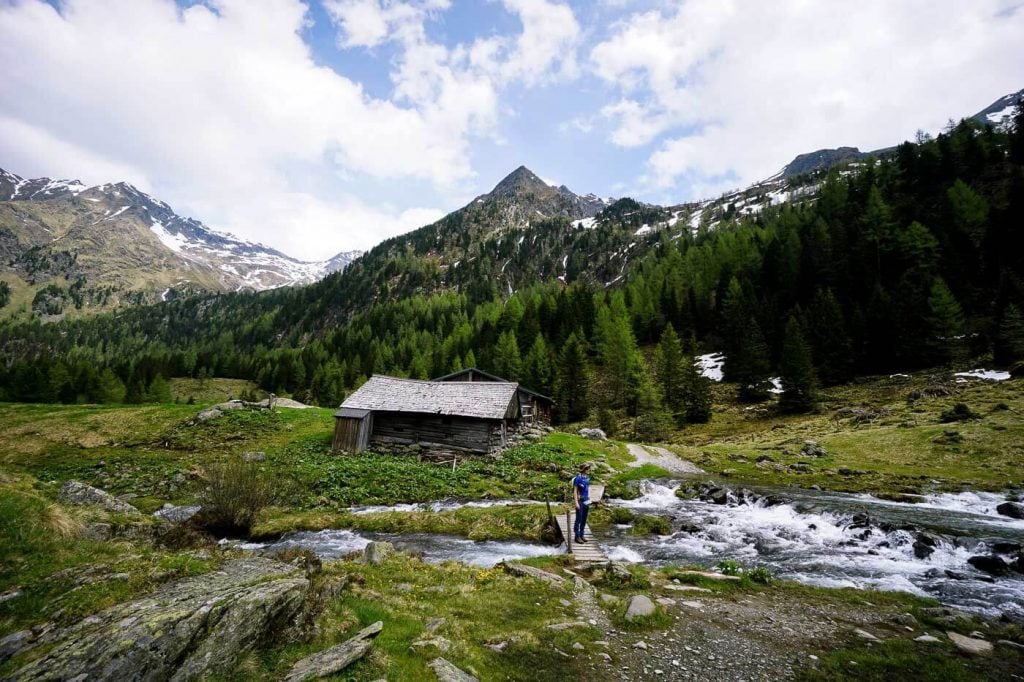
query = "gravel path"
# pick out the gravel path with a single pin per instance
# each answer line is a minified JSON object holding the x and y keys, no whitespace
{"x":751,"y":638}
{"x":669,"y":461}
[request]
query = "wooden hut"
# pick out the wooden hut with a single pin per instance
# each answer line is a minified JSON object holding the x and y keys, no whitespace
{"x":533,"y":405}
{"x":472,"y":417}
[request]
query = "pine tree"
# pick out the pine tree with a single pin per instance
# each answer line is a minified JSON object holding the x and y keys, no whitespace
{"x":1010,"y":339}
{"x":750,"y":364}
{"x":652,"y":420}
{"x":507,"y":361}
{"x":617,"y":350}
{"x":669,"y":367}
{"x":945,"y":321}
{"x":831,"y":347}
{"x":797,"y":371}
{"x":537,"y":370}
{"x":110,"y":389}
{"x":159,"y":390}
{"x":573,"y":384}
{"x":697,"y":401}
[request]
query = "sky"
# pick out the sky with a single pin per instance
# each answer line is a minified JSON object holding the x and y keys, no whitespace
{"x":325,"y":125}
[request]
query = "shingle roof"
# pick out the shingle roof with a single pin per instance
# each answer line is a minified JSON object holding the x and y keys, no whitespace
{"x":483,"y":399}
{"x":492,"y":377}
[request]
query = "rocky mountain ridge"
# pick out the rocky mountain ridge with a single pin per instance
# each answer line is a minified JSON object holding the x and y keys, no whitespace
{"x":118,"y":245}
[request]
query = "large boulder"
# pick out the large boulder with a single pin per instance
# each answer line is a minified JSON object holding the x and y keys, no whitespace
{"x":639,"y":606}
{"x":194,"y":628}
{"x":1014,"y":510}
{"x":593,"y":434}
{"x":81,"y":494}
{"x":991,"y":564}
{"x":376,"y":552}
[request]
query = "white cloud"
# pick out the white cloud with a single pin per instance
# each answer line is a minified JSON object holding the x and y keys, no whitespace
{"x":731,"y":91}
{"x":212,"y":107}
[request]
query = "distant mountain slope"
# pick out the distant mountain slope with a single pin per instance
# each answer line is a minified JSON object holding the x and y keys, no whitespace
{"x":110,"y":245}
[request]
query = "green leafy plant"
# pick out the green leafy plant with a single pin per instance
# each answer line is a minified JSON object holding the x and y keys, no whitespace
{"x":761,"y":575}
{"x":729,"y":567}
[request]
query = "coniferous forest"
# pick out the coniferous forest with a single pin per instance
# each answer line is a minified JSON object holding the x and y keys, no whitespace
{"x":912,"y":260}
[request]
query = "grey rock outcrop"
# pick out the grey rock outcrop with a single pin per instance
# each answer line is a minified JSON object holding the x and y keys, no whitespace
{"x":447,"y":672}
{"x":639,"y":607}
{"x":593,"y":434}
{"x":970,"y":645}
{"x":194,"y":628}
{"x":376,"y":552}
{"x":81,"y":494}
{"x":174,"y":514}
{"x":518,"y":569}
{"x":337,"y":658}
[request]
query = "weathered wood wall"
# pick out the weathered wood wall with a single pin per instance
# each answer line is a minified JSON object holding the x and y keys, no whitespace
{"x":462,"y":432}
{"x":352,"y":434}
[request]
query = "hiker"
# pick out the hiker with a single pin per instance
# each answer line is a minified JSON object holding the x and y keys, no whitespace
{"x":581,"y":497}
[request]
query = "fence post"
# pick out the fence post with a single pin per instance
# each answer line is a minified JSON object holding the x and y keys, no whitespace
{"x":568,"y":531}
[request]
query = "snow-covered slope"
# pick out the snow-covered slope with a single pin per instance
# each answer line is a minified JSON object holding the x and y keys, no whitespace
{"x":65,"y":214}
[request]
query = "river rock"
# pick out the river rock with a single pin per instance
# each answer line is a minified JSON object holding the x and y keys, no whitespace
{"x":81,"y":494}
{"x":194,"y":628}
{"x":593,"y":434}
{"x":1005,"y":547}
{"x":927,"y":639}
{"x":337,"y":658}
{"x":1014,"y":510}
{"x":864,"y":634}
{"x":376,"y":552}
{"x":991,"y":564}
{"x":447,"y":672}
{"x":970,"y":645}
{"x":174,"y":514}
{"x":639,"y":606}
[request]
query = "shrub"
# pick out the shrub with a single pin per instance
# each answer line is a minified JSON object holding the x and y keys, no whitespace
{"x":622,"y":515}
{"x":959,"y":413}
{"x":651,"y":525}
{"x":236,"y":493}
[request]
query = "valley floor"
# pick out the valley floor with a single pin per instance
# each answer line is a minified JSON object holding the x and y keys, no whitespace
{"x":62,"y":563}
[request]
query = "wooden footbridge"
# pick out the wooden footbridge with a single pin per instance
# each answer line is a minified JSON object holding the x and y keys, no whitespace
{"x":589,"y":551}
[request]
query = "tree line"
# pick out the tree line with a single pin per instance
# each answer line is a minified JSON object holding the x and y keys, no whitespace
{"x":911,"y":261}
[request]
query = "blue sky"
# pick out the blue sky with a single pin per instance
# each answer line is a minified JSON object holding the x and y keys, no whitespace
{"x":323,"y":125}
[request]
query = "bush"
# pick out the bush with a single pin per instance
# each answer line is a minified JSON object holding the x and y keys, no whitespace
{"x":236,"y":493}
{"x":651,"y":525}
{"x":959,"y":413}
{"x":622,"y":515}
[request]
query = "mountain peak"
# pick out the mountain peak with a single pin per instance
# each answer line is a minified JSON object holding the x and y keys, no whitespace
{"x":519,"y":180}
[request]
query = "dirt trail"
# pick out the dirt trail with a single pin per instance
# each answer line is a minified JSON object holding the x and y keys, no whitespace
{"x":669,"y":461}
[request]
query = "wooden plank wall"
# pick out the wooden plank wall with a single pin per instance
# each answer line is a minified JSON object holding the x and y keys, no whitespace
{"x":406,"y":428}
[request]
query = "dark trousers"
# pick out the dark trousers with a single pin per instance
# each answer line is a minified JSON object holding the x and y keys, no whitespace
{"x":581,"y":519}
